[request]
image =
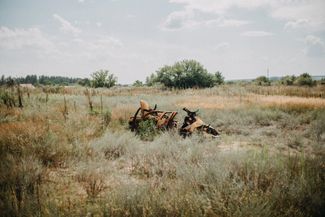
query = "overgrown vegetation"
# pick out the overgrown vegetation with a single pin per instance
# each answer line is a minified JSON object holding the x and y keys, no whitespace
{"x":39,"y":80}
{"x":262,"y":81}
{"x":269,"y":160}
{"x":102,"y":78}
{"x":185,"y":74}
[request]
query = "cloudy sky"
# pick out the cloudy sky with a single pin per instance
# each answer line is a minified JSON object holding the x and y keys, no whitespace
{"x":134,"y":38}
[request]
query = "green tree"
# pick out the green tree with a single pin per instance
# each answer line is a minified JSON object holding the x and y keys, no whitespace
{"x":3,"y":80}
{"x":262,"y":81}
{"x":138,"y":83}
{"x":111,"y":81}
{"x":288,"y":80}
{"x":10,"y":82}
{"x":218,"y":78}
{"x":304,"y":80}
{"x":101,"y":78}
{"x":183,"y":74}
{"x":84,"y":82}
{"x":322,"y":81}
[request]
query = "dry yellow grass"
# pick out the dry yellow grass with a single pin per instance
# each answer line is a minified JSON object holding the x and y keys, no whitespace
{"x":231,"y":102}
{"x":212,"y":102}
{"x":300,"y":91}
{"x":170,"y":173}
{"x":291,"y":103}
{"x":122,"y":112}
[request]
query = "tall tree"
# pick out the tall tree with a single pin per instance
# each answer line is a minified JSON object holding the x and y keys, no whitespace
{"x":183,"y":74}
{"x":101,"y":78}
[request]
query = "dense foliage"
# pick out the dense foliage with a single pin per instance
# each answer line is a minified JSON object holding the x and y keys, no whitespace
{"x":137,"y":83}
{"x":262,"y":81}
{"x":304,"y":80}
{"x":288,"y":80}
{"x":101,"y":78}
{"x":36,"y":80}
{"x":185,"y":74}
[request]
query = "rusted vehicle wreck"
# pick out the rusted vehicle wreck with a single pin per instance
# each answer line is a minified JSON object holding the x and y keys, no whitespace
{"x":165,"y":120}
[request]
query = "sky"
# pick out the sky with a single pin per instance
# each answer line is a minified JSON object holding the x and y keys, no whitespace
{"x":134,"y":38}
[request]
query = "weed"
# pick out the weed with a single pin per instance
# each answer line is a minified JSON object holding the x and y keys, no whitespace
{"x":92,"y":181}
{"x":147,"y":130}
{"x":107,"y":117}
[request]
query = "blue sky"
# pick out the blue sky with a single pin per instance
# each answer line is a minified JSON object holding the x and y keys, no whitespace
{"x":134,"y":38}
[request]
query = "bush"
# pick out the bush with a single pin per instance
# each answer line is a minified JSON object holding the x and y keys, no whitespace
{"x":262,"y":81}
{"x":147,"y":130}
{"x":101,"y":78}
{"x":322,"y":81}
{"x":92,"y":179}
{"x":20,"y":182}
{"x":185,"y":74}
{"x":7,"y":98}
{"x":318,"y":127}
{"x":107,"y":117}
{"x":304,"y":80}
{"x":288,"y":80}
{"x":137,"y":83}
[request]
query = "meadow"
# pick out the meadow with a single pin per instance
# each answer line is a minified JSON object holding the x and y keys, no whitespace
{"x":68,"y":152}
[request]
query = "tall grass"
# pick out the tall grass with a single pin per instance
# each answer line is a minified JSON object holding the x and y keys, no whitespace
{"x":269,"y":160}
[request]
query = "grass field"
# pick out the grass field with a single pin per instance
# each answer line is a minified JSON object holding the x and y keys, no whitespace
{"x":59,"y":157}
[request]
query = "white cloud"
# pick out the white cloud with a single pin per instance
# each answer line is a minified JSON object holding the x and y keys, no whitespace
{"x":66,"y":26}
{"x":315,"y":47}
{"x":34,"y":40}
{"x":287,"y":10}
{"x":222,"y":46}
{"x":99,"y":24}
{"x":314,"y":40}
{"x":179,"y":20}
{"x":221,"y":22}
{"x":98,"y":46}
{"x":105,"y":42}
{"x":24,"y":38}
{"x":296,"y":24}
{"x":302,"y":11}
{"x":219,"y":7}
{"x":256,"y":34}
{"x":188,"y":18}
{"x":130,"y":16}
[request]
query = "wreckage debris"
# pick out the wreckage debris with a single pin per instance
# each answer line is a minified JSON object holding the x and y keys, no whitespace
{"x":194,"y":123}
{"x":164,"y":120}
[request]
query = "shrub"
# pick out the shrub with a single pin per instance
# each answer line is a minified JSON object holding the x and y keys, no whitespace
{"x":147,"y":130}
{"x":101,"y":78}
{"x":137,"y":83}
{"x":304,"y":80}
{"x":92,"y":180}
{"x":288,"y":80}
{"x":185,"y":74}
{"x":7,"y":98}
{"x":20,"y":182}
{"x":322,"y":81}
{"x":107,"y":117}
{"x":318,"y":127}
{"x":262,"y":81}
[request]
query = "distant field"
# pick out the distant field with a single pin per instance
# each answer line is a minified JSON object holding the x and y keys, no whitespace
{"x":59,"y":157}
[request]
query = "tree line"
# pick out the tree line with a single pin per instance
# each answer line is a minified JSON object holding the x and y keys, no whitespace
{"x":181,"y":75}
{"x":38,"y":80}
{"x":302,"y":80}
